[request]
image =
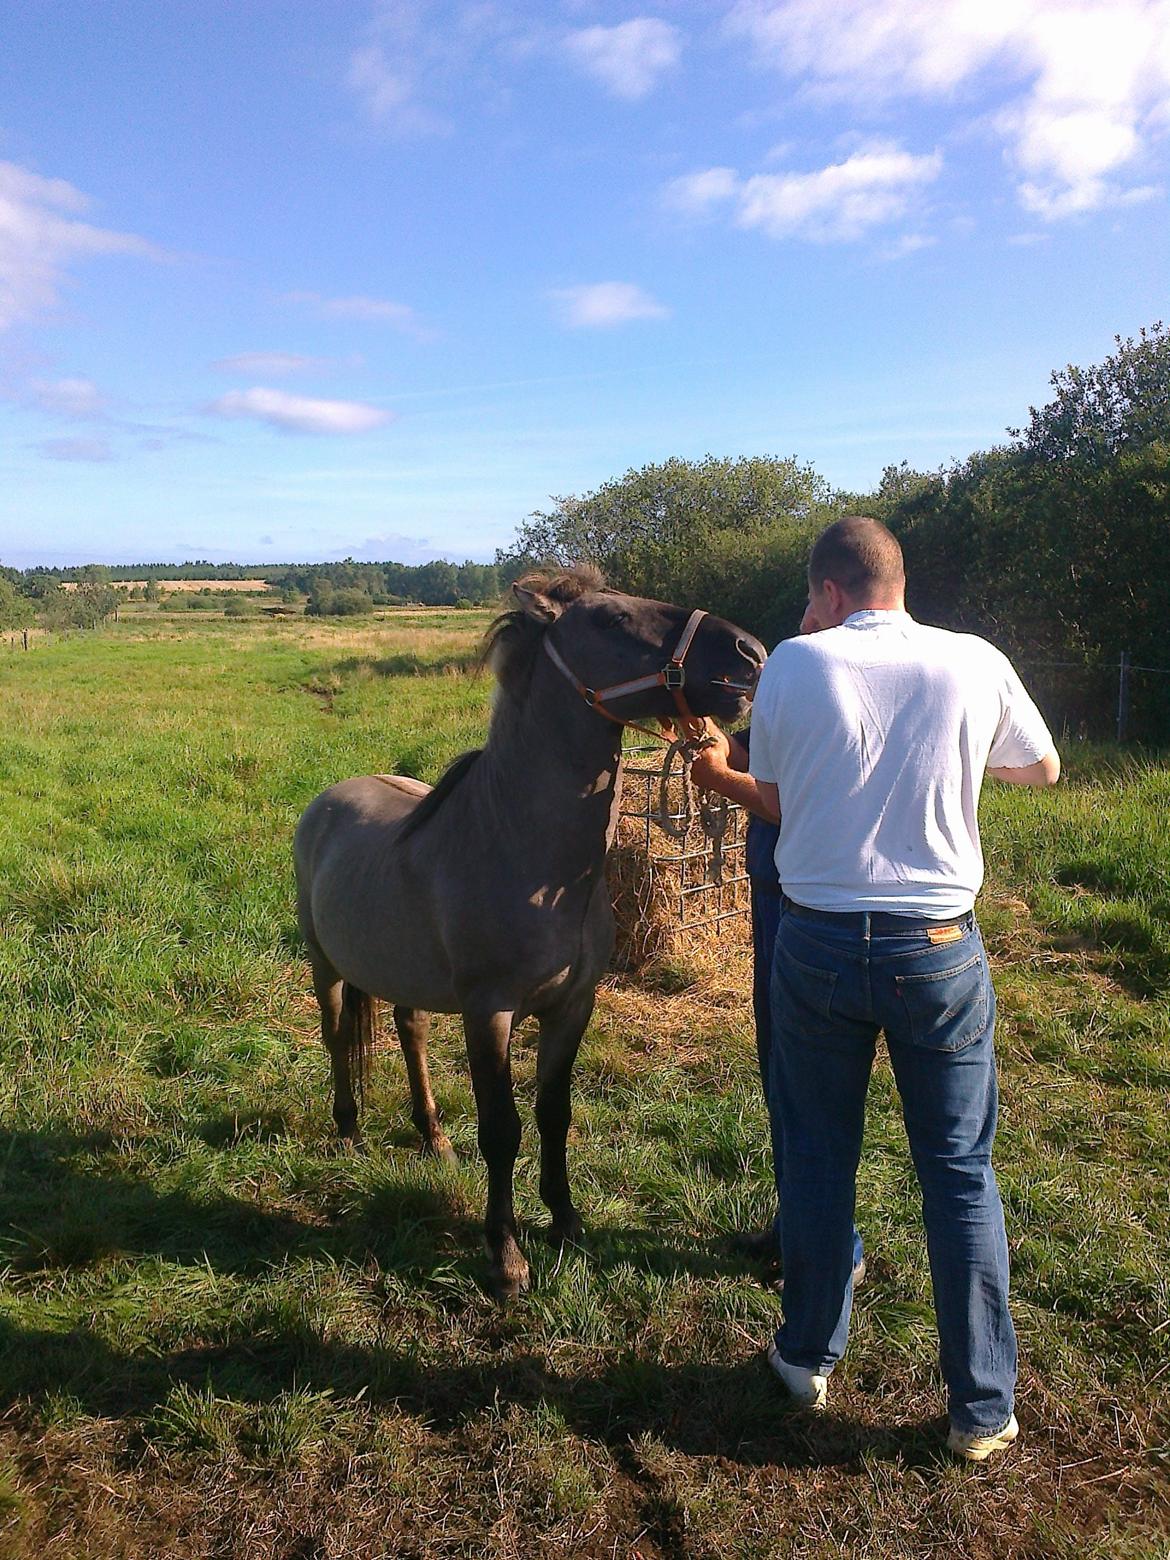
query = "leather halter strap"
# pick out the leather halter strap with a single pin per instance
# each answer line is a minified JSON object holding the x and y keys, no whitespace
{"x":672,"y":675}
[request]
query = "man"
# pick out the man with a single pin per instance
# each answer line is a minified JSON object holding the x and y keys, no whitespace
{"x":869,"y":742}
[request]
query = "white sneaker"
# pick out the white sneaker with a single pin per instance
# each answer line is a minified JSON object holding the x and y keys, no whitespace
{"x":974,"y":1447}
{"x":803,"y":1385}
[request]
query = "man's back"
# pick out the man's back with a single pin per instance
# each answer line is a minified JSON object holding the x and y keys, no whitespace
{"x":877,"y":734}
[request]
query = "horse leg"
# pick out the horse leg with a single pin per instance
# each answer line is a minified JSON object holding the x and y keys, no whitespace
{"x":412,"y":1025}
{"x":489,"y":1038}
{"x":560,"y":1040}
{"x":337,"y":1031}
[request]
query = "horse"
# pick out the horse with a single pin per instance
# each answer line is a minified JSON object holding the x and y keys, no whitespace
{"x":486,"y":896}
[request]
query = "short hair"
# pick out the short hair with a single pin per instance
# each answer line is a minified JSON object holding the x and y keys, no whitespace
{"x":858,"y":554}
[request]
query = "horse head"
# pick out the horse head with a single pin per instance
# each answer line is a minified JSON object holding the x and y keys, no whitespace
{"x":632,"y":658}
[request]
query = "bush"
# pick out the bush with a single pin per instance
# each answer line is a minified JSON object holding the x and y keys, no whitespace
{"x":339,"y":603}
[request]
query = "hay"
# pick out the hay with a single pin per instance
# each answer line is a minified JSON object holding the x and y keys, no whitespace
{"x":663,"y":903}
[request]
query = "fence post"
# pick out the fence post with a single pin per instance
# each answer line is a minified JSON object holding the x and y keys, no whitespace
{"x":1122,"y":695}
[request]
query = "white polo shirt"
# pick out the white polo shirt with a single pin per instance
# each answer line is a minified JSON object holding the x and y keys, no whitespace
{"x":877,"y":735}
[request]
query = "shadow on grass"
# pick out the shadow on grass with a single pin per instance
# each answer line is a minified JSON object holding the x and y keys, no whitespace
{"x":735,"y":1412}
{"x":61,"y":1214}
{"x":407,"y":663}
{"x":65,"y":1202}
{"x":65,"y":1215}
{"x":58,"y":1214}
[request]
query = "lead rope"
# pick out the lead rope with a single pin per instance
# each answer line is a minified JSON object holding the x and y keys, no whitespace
{"x":712,"y":810}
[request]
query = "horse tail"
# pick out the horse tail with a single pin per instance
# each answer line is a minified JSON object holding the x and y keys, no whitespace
{"x":363,"y":1036}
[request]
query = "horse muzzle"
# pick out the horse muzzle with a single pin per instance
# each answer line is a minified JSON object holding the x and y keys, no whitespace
{"x":752,"y":653}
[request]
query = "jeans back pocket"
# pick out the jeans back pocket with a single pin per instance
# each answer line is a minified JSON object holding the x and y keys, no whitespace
{"x":802,"y":995}
{"x":946,"y":1009}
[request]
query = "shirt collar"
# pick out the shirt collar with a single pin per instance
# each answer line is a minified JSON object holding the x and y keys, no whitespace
{"x":874,"y":617}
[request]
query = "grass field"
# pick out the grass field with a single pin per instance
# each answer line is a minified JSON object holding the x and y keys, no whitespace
{"x":219,"y":1337}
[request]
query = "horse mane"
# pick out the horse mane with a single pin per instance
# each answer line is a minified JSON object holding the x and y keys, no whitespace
{"x":509,"y":648}
{"x":512,"y":640}
{"x":434,"y":799}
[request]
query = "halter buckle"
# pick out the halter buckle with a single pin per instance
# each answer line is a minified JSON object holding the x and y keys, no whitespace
{"x":674,"y":675}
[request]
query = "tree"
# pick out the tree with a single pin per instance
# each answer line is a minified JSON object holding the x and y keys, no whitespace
{"x":95,"y":599}
{"x":436,"y":583}
{"x":1096,"y":413}
{"x":324,"y":601}
{"x":731,"y":535}
{"x":16,"y":610}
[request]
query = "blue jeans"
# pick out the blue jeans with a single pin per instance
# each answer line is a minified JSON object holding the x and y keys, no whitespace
{"x":766,"y":906}
{"x":837,"y":980}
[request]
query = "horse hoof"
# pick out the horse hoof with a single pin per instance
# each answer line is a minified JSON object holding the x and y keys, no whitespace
{"x":566,"y":1232}
{"x":508,"y":1287}
{"x":440,"y":1149}
{"x":349,"y":1143}
{"x":508,"y":1272}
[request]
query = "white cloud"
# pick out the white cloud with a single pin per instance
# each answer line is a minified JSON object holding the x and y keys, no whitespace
{"x":837,"y":203}
{"x":627,"y":59}
{"x":377,"y":311}
{"x":392,"y":544}
{"x":907,"y":244}
{"x":78,"y":398}
{"x":418,"y":60}
{"x":695,"y":194}
{"x":387,"y":90}
{"x":269,"y":364}
{"x":76,"y":449}
{"x":41,"y":235}
{"x":1089,"y":79}
{"x":605,"y":303}
{"x":298,"y":413}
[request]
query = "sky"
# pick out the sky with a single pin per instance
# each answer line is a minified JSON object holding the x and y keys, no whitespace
{"x":295,"y":280}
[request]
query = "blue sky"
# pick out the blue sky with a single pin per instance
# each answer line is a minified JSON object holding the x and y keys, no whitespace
{"x":309,"y":279}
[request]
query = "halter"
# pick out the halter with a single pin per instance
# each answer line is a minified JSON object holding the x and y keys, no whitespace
{"x":672,"y":675}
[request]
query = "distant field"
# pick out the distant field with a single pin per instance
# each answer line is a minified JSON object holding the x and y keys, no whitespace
{"x":219,"y":1337}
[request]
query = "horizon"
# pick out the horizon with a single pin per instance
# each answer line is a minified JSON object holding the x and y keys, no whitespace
{"x":235,"y":563}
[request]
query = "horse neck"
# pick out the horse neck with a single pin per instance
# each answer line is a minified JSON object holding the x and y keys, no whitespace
{"x":553,"y":766}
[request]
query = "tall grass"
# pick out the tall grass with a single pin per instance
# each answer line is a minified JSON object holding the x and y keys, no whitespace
{"x":220,"y":1336}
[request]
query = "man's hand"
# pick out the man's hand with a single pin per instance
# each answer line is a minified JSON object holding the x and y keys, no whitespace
{"x":722,"y":768}
{"x":713,"y":762}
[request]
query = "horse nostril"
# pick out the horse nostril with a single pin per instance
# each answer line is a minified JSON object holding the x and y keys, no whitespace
{"x":750,"y":652}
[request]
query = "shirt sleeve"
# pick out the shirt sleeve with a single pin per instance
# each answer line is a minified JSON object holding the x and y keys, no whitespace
{"x":1022,"y":737}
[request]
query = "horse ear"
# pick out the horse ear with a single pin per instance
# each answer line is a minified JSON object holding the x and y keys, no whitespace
{"x":543,"y":608}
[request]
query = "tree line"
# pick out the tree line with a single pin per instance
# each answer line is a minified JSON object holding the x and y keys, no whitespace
{"x":343,"y":588}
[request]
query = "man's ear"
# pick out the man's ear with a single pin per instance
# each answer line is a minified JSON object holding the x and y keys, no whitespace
{"x":536,"y":605}
{"x":835,"y":596}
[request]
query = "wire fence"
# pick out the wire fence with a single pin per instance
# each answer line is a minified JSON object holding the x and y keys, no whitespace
{"x":1100,"y":700}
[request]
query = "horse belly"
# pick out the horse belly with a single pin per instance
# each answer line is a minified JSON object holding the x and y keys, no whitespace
{"x":376,"y":930}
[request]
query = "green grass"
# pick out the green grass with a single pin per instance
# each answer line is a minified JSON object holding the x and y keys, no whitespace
{"x":220,"y":1336}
